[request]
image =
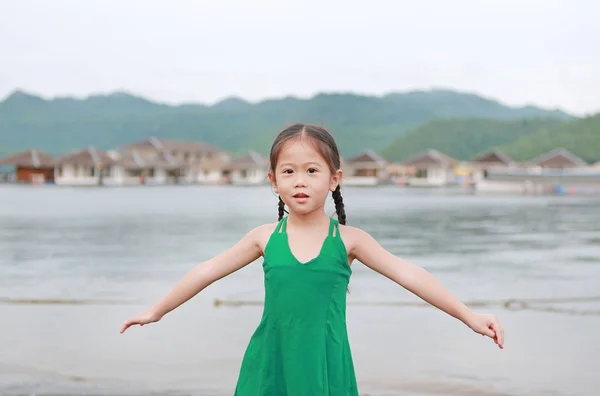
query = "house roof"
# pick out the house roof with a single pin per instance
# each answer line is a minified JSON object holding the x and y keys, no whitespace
{"x":215,"y":163}
{"x":162,"y":144}
{"x":367,"y":159}
{"x":493,"y":157}
{"x":430,"y":157}
{"x":367,"y":156}
{"x":89,"y":156}
{"x":133,"y":159}
{"x":251,"y":159}
{"x":29,"y":158}
{"x":559,"y":157}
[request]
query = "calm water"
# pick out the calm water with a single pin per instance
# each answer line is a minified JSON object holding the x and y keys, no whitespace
{"x":131,"y":245}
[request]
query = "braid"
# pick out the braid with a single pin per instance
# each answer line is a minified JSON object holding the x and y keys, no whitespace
{"x":339,"y":209}
{"x":339,"y":205}
{"x":281,"y":208}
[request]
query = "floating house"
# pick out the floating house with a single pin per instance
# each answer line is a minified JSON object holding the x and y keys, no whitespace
{"x":493,"y":159}
{"x":559,"y":158}
{"x":555,"y":172}
{"x":31,"y":166}
{"x":365,"y":169}
{"x":431,"y":169}
{"x":86,"y":167}
{"x":161,"y":161}
{"x":246,"y":169}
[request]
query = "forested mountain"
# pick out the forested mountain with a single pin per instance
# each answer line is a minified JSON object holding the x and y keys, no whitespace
{"x":465,"y":138}
{"x":63,"y":124}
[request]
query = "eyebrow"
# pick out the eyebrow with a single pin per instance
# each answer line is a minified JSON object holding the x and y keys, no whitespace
{"x":306,"y":163}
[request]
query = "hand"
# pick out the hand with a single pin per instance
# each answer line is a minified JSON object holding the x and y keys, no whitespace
{"x":141,"y":319}
{"x":487,"y":325}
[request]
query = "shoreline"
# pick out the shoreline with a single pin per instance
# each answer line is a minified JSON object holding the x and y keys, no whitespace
{"x":77,"y":386}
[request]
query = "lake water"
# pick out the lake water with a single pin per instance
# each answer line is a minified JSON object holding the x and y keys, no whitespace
{"x":130,"y":245}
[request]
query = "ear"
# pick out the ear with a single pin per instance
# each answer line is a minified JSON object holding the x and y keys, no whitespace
{"x":336,"y":178}
{"x":273,"y":182}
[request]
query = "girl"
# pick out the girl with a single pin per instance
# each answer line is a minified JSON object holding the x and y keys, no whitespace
{"x":301,"y":345}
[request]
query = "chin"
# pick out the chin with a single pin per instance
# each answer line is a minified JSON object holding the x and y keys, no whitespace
{"x":302,"y":209}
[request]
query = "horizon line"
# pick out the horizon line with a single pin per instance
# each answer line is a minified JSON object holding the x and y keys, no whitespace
{"x":149,"y":98}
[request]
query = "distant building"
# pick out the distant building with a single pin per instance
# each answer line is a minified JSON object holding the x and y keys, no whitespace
{"x":493,"y":159}
{"x":212,"y":171}
{"x":86,"y":167}
{"x":432,"y":168}
{"x":249,"y":168}
{"x":159,"y":161}
{"x":31,"y":166}
{"x":559,"y":158}
{"x":143,"y":168}
{"x":367,"y":168}
{"x":185,"y":151}
{"x":556,"y":172}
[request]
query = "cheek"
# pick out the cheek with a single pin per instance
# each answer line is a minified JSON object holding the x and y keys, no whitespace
{"x":284,"y":183}
{"x":325,"y":185}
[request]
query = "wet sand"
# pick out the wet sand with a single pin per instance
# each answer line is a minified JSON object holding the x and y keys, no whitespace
{"x":482,"y":248}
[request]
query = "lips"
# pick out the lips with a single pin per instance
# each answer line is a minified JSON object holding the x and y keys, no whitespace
{"x":300,"y":198}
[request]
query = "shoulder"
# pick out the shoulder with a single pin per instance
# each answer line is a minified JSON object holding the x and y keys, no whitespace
{"x":353,"y":237}
{"x":264,"y":229}
{"x":363,"y":247}
{"x":260,"y":235}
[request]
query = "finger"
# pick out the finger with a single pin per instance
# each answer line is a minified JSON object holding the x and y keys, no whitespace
{"x":497,"y":329}
{"x":126,"y":325}
{"x":499,"y":333}
{"x":500,"y":339}
{"x":488,"y":332}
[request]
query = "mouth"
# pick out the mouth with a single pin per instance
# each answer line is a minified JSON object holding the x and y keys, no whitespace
{"x":301,"y":198}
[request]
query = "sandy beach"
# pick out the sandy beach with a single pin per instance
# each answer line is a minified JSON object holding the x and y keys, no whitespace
{"x":130,"y":246}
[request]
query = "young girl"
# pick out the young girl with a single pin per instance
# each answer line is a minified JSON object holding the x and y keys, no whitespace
{"x":301,"y":345}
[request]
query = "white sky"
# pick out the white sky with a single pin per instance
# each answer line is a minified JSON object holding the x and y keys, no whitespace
{"x":543,"y":52}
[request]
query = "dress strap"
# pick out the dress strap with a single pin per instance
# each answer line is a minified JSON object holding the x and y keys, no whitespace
{"x":281,"y":226}
{"x":333,"y":226}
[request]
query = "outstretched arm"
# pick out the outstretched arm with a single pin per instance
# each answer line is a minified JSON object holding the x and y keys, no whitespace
{"x":421,"y":283}
{"x":241,"y":254}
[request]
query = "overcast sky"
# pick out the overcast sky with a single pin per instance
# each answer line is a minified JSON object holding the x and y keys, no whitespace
{"x":543,"y":52}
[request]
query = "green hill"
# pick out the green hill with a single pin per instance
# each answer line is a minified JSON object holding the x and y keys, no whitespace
{"x":464,"y":138}
{"x":580,"y":136}
{"x":64,"y":124}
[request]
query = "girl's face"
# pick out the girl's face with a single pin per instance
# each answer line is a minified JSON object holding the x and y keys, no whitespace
{"x":302,"y":177}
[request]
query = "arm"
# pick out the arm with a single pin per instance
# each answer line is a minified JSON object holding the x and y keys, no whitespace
{"x":201,"y":276}
{"x":421,"y":283}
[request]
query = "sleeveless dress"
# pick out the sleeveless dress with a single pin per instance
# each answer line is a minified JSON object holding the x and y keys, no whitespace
{"x":300,"y":347}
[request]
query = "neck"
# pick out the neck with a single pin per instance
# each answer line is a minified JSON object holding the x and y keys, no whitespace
{"x":314,"y":218}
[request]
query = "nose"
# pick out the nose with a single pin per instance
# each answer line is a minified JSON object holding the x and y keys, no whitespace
{"x":300,"y":182}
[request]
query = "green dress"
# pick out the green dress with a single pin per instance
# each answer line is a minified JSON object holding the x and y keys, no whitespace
{"x":300,"y":347}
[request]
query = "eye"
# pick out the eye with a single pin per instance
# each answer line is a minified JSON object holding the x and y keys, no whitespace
{"x":312,"y":170}
{"x":288,"y":171}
